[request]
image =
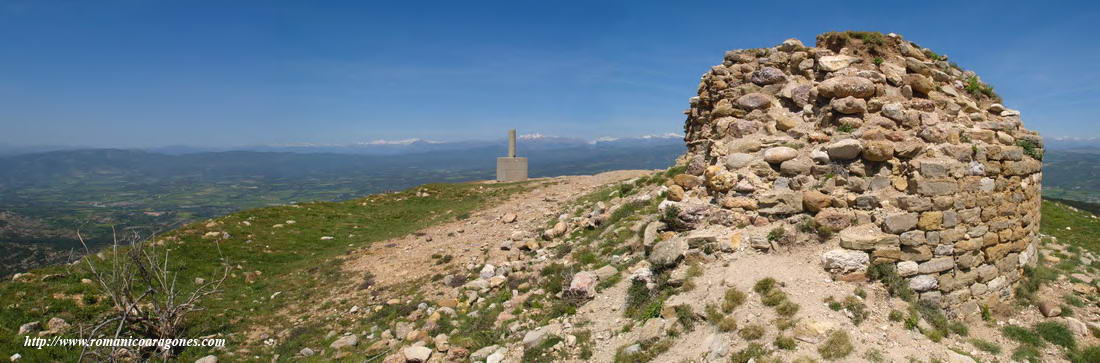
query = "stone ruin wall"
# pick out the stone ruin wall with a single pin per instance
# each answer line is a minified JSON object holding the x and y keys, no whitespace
{"x":885,"y":151}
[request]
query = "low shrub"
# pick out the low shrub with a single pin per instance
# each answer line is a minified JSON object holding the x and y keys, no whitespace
{"x":837,"y":345}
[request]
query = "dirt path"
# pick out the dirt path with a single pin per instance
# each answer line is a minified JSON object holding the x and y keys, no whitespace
{"x":477,"y":239}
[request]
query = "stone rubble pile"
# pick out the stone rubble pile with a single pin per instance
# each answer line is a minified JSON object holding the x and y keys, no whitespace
{"x":876,"y":146}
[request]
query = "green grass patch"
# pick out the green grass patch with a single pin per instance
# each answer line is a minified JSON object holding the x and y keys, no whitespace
{"x":1084,"y":230}
{"x":1026,"y":353}
{"x":1087,"y":355}
{"x":1056,"y":333}
{"x":291,"y":256}
{"x":1023,"y":336}
{"x":986,"y":346}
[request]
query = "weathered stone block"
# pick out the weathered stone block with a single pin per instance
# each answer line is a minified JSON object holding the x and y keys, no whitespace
{"x":899,"y":223}
{"x":969,"y":260}
{"x":931,"y":221}
{"x":970,"y":244}
{"x":915,"y":203}
{"x":913,"y":238}
{"x":923,"y":283}
{"x":938,"y":264}
{"x":997,"y":252}
{"x":781,"y":202}
{"x":866,"y":237}
{"x":916,"y":253}
{"x":934,"y":187}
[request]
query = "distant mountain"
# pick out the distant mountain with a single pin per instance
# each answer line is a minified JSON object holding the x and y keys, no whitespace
{"x":1072,"y":174}
{"x":1065,"y":143}
{"x":527,"y":142}
{"x":8,"y":150}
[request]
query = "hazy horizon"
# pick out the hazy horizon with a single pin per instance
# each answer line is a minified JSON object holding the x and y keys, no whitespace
{"x":131,"y":74}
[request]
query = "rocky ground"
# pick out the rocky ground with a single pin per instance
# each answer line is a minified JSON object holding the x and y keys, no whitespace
{"x":594,"y":269}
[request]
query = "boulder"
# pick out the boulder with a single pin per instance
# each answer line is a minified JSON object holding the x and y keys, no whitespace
{"x":779,"y":154}
{"x":754,"y":101}
{"x":844,"y":86}
{"x":676,"y":193}
{"x":649,"y":234}
{"x":767,"y":75}
{"x":721,"y":181}
{"x":739,"y":160}
{"x":344,"y":342}
{"x":535,"y":337}
{"x":894,"y":111}
{"x":849,"y":105}
{"x":791,"y":45}
{"x":835,"y":63}
{"x":1049,"y":308}
{"x":834,"y":219}
{"x":488,"y":271}
{"x":846,"y":149}
{"x":417,"y":354}
{"x":584,"y":283}
{"x":457,"y":354}
{"x":815,"y":201}
{"x":483,"y":353}
{"x":667,"y":253}
{"x":795,"y":167}
{"x":57,"y":325}
{"x":878,"y":151}
{"x":1076,"y":326}
{"x":784,"y":120}
{"x":687,"y":181}
{"x":920,"y":83}
{"x":30,"y":327}
{"x":780,"y":201}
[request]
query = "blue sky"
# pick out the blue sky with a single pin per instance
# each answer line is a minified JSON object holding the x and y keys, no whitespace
{"x":139,"y":73}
